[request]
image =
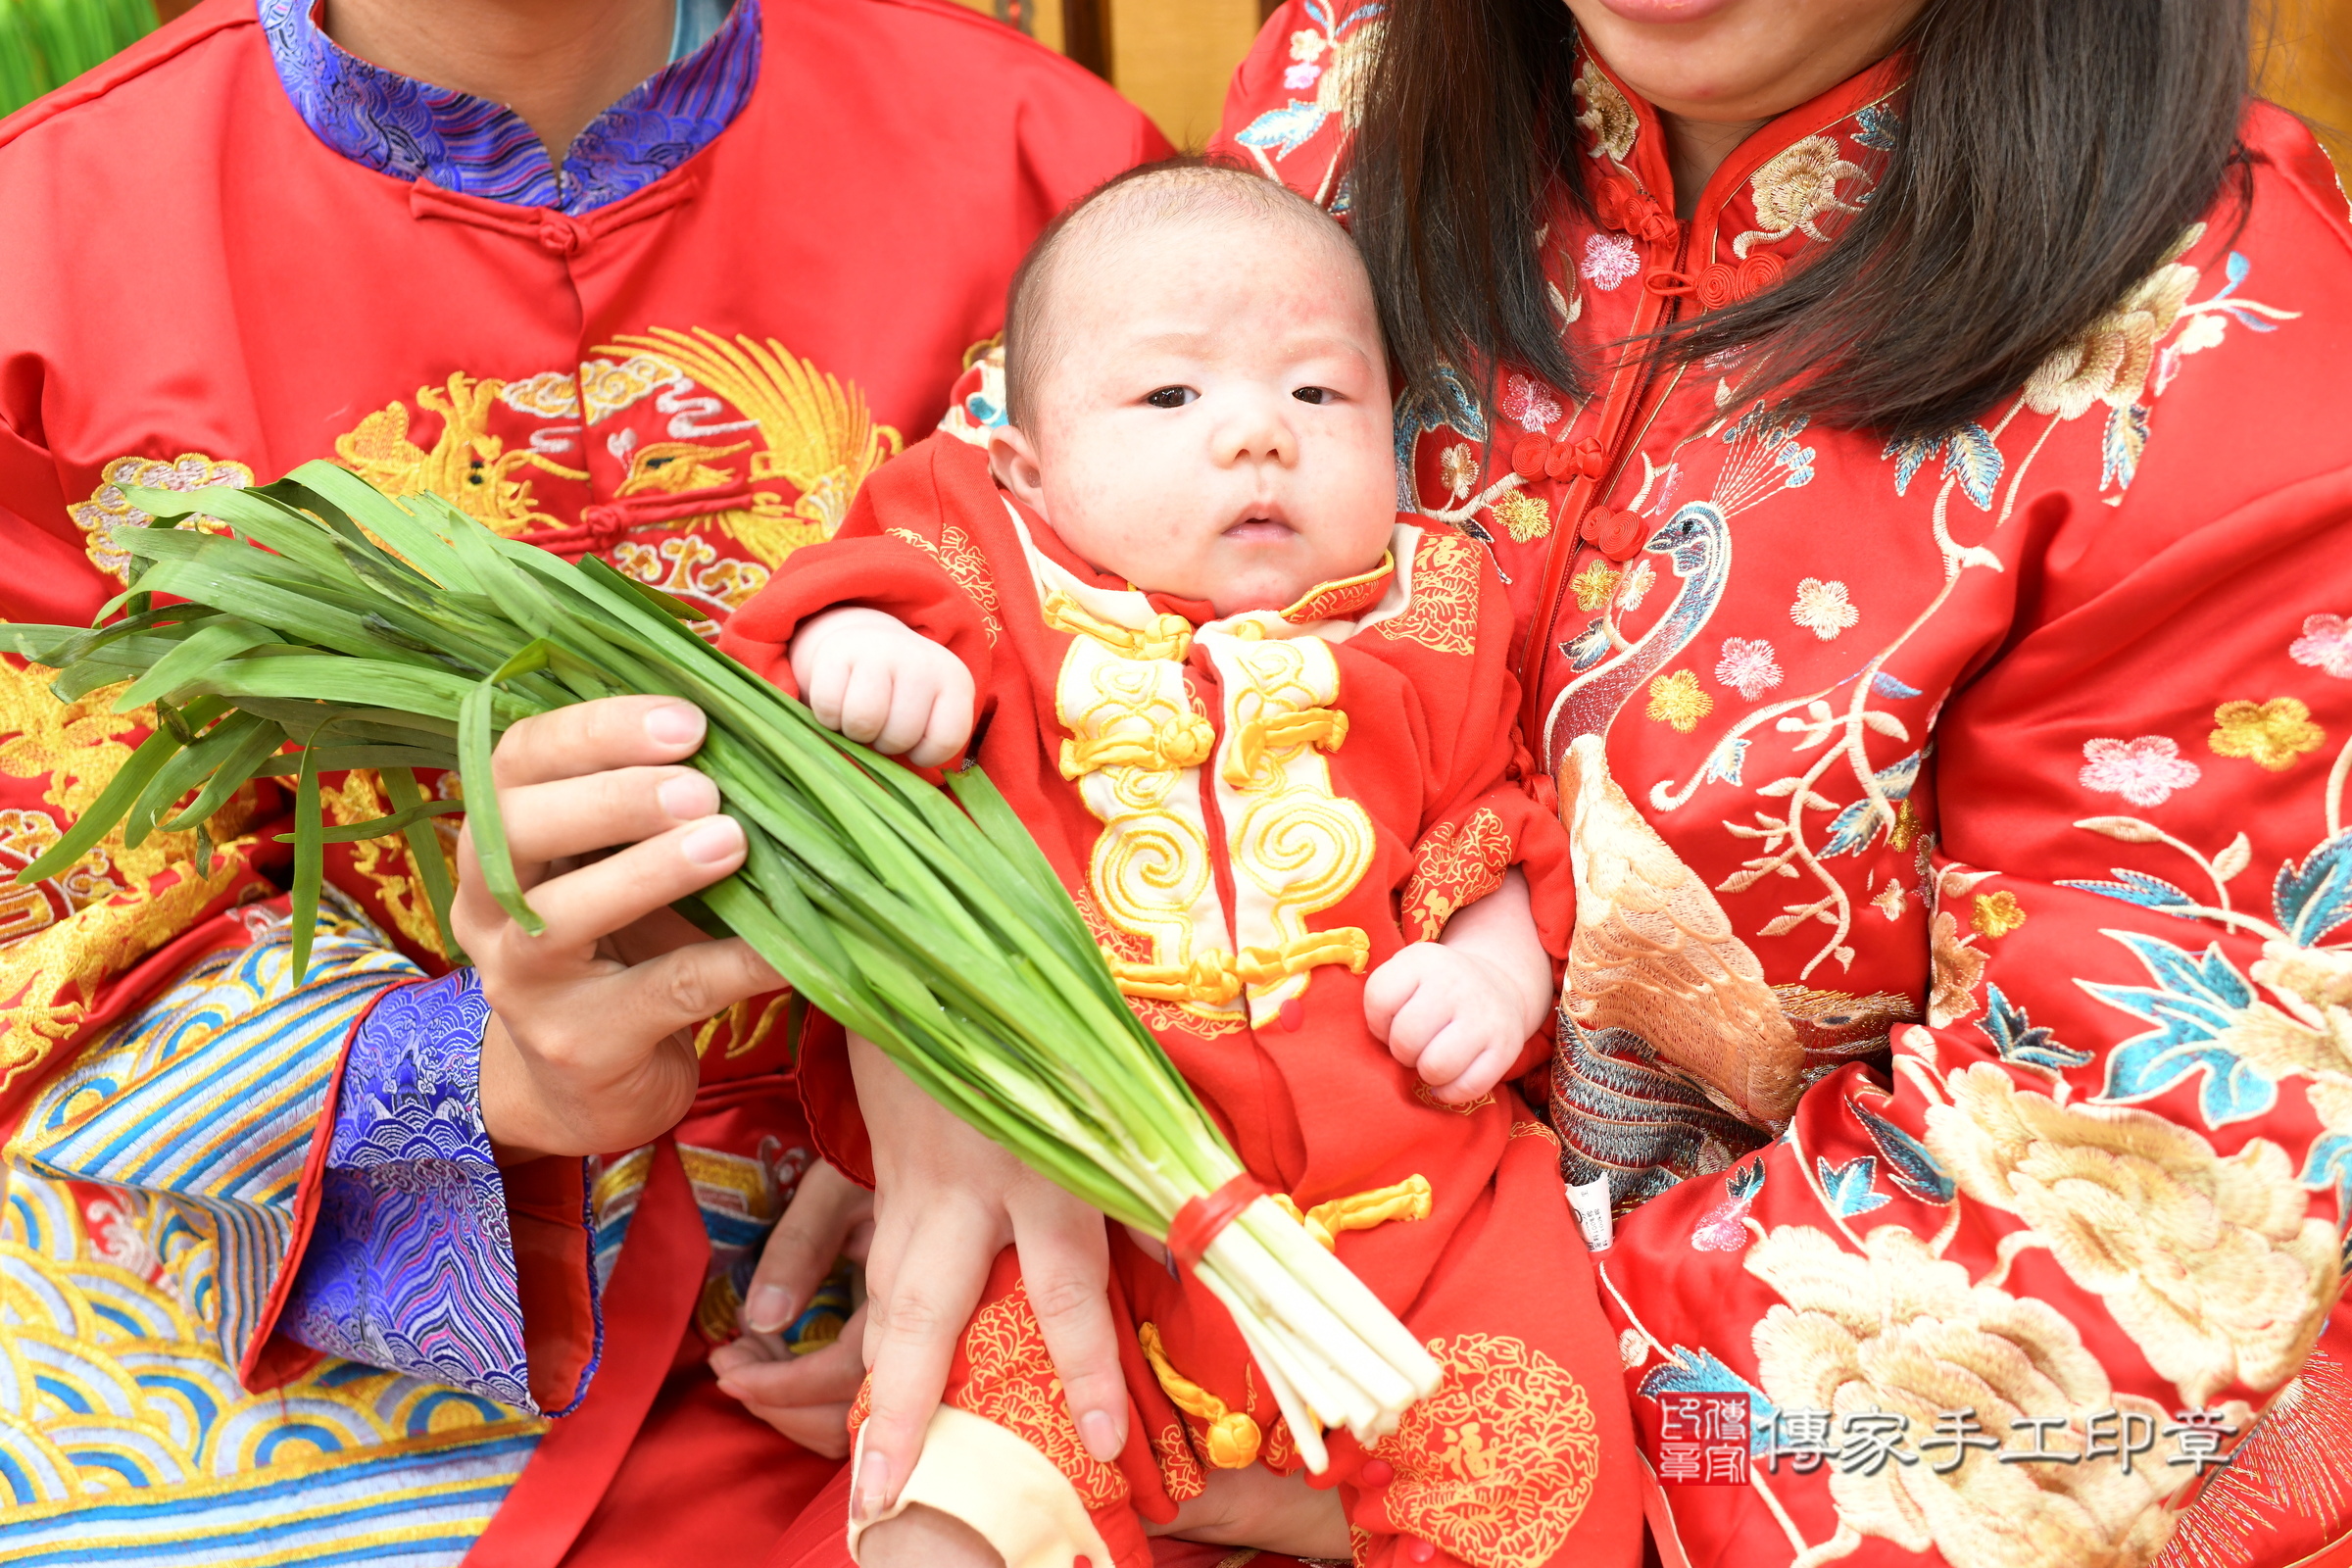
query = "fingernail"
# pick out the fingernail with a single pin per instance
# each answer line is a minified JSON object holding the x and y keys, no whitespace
{"x":687,"y":797}
{"x":768,"y":1309}
{"x":873,"y":1489}
{"x":1100,"y":1434}
{"x":675,"y":724}
{"x":715,"y":841}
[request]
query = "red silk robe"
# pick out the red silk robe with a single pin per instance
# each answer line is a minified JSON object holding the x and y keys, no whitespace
{"x":1957,"y":1001}
{"x":691,"y":381}
{"x":1309,"y":791}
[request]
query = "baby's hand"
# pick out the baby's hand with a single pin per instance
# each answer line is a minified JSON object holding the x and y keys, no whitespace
{"x":869,"y":678}
{"x":1455,"y":1019}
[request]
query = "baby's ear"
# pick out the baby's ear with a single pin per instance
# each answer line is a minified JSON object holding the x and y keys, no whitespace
{"x":1012,"y":459}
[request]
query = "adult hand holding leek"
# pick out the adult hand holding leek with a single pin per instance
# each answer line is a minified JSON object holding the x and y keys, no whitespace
{"x":590,"y":1045}
{"x":394,"y":635}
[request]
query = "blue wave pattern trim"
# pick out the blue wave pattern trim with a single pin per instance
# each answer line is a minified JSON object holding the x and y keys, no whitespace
{"x":411,"y":1265}
{"x":210,"y":1100}
{"x":409,"y":129}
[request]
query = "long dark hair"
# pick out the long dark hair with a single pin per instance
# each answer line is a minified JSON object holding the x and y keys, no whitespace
{"x":2052,"y":151}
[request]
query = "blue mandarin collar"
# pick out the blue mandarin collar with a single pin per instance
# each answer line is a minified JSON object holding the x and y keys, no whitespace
{"x":404,"y":127}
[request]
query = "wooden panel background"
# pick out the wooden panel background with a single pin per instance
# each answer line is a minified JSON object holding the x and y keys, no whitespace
{"x":1172,"y":57}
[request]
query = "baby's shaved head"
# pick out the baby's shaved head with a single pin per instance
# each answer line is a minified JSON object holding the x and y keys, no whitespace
{"x":1182,"y":191}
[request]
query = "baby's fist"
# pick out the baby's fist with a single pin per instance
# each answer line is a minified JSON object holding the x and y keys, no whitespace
{"x":1455,"y":1019}
{"x":869,"y":678}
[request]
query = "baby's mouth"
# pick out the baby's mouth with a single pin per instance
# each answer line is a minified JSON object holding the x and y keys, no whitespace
{"x":1267,"y":526}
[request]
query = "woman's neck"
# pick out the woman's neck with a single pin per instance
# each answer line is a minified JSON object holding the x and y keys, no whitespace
{"x":557,"y":63}
{"x":1696,"y":149}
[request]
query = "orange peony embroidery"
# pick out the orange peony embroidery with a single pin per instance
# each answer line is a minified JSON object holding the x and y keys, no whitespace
{"x":1498,"y":1465}
{"x":1452,"y":869}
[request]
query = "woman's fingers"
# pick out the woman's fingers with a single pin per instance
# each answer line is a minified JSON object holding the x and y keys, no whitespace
{"x":803,"y":1247}
{"x":595,"y":738}
{"x":1066,"y":1264}
{"x":574,"y":816}
{"x":592,"y":901}
{"x":911,"y":1341}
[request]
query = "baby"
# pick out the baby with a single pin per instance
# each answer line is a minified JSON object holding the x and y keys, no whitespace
{"x":1263,"y":726}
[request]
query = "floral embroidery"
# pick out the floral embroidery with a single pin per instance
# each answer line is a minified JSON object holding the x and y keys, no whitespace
{"x":1794,"y":190}
{"x":108,"y":509}
{"x":1592,"y":586}
{"x":1523,"y":517}
{"x":2144,"y":771}
{"x":1900,"y":1330}
{"x":1821,"y":608}
{"x":1677,"y":699}
{"x":1607,"y":119}
{"x":1610,"y":260}
{"x":2209,"y":1263}
{"x":1998,"y":914}
{"x":2326,"y":644}
{"x":2271,"y":734}
{"x":1452,"y":869}
{"x":1640,"y":578}
{"x":1529,"y":402}
{"x":1497,"y":1466}
{"x":2110,"y":360}
{"x":1748,"y":667}
{"x":1958,"y":968}
{"x":1891,"y":899}
{"x":1458,"y":467}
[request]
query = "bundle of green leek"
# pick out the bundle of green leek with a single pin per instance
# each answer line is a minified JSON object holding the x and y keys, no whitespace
{"x":46,"y":43}
{"x":367,"y":632}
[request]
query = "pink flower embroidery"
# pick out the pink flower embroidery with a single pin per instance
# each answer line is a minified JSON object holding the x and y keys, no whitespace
{"x":1749,"y":667}
{"x":1299,"y":77}
{"x":1610,"y":260}
{"x":2326,"y":644}
{"x":1529,"y":402}
{"x":2144,"y":771}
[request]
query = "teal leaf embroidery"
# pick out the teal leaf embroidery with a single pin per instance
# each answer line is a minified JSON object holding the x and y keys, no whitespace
{"x":2021,"y":1044}
{"x":2330,"y":1166}
{"x":1910,"y":1165}
{"x":1975,"y":461}
{"x":1850,"y":1185}
{"x":2148,"y":892}
{"x":1910,"y":456}
{"x":1858,"y":826}
{"x":1703,"y":1372}
{"x":1283,"y":131}
{"x":1887,"y":685}
{"x":2313,"y":899}
{"x":2192,"y":1005}
{"x":1726,"y":761}
{"x":2126,"y":438}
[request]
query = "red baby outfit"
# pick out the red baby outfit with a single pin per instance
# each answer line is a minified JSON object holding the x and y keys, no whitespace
{"x":1253,"y":812}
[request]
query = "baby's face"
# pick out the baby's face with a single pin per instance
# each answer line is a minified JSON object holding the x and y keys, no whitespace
{"x":1217,"y":424}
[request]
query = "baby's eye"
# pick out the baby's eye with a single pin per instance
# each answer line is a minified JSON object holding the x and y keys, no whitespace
{"x":1314,"y":394}
{"x":1170,"y":397}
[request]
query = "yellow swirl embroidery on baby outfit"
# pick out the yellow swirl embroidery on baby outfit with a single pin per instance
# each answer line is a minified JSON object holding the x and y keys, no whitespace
{"x":1297,"y":847}
{"x":1135,"y":742}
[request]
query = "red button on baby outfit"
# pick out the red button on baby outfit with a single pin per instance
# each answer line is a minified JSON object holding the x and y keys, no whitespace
{"x":559,"y":237}
{"x":1292,"y":1014}
{"x":1419,"y":1551}
{"x":1376,"y":1473}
